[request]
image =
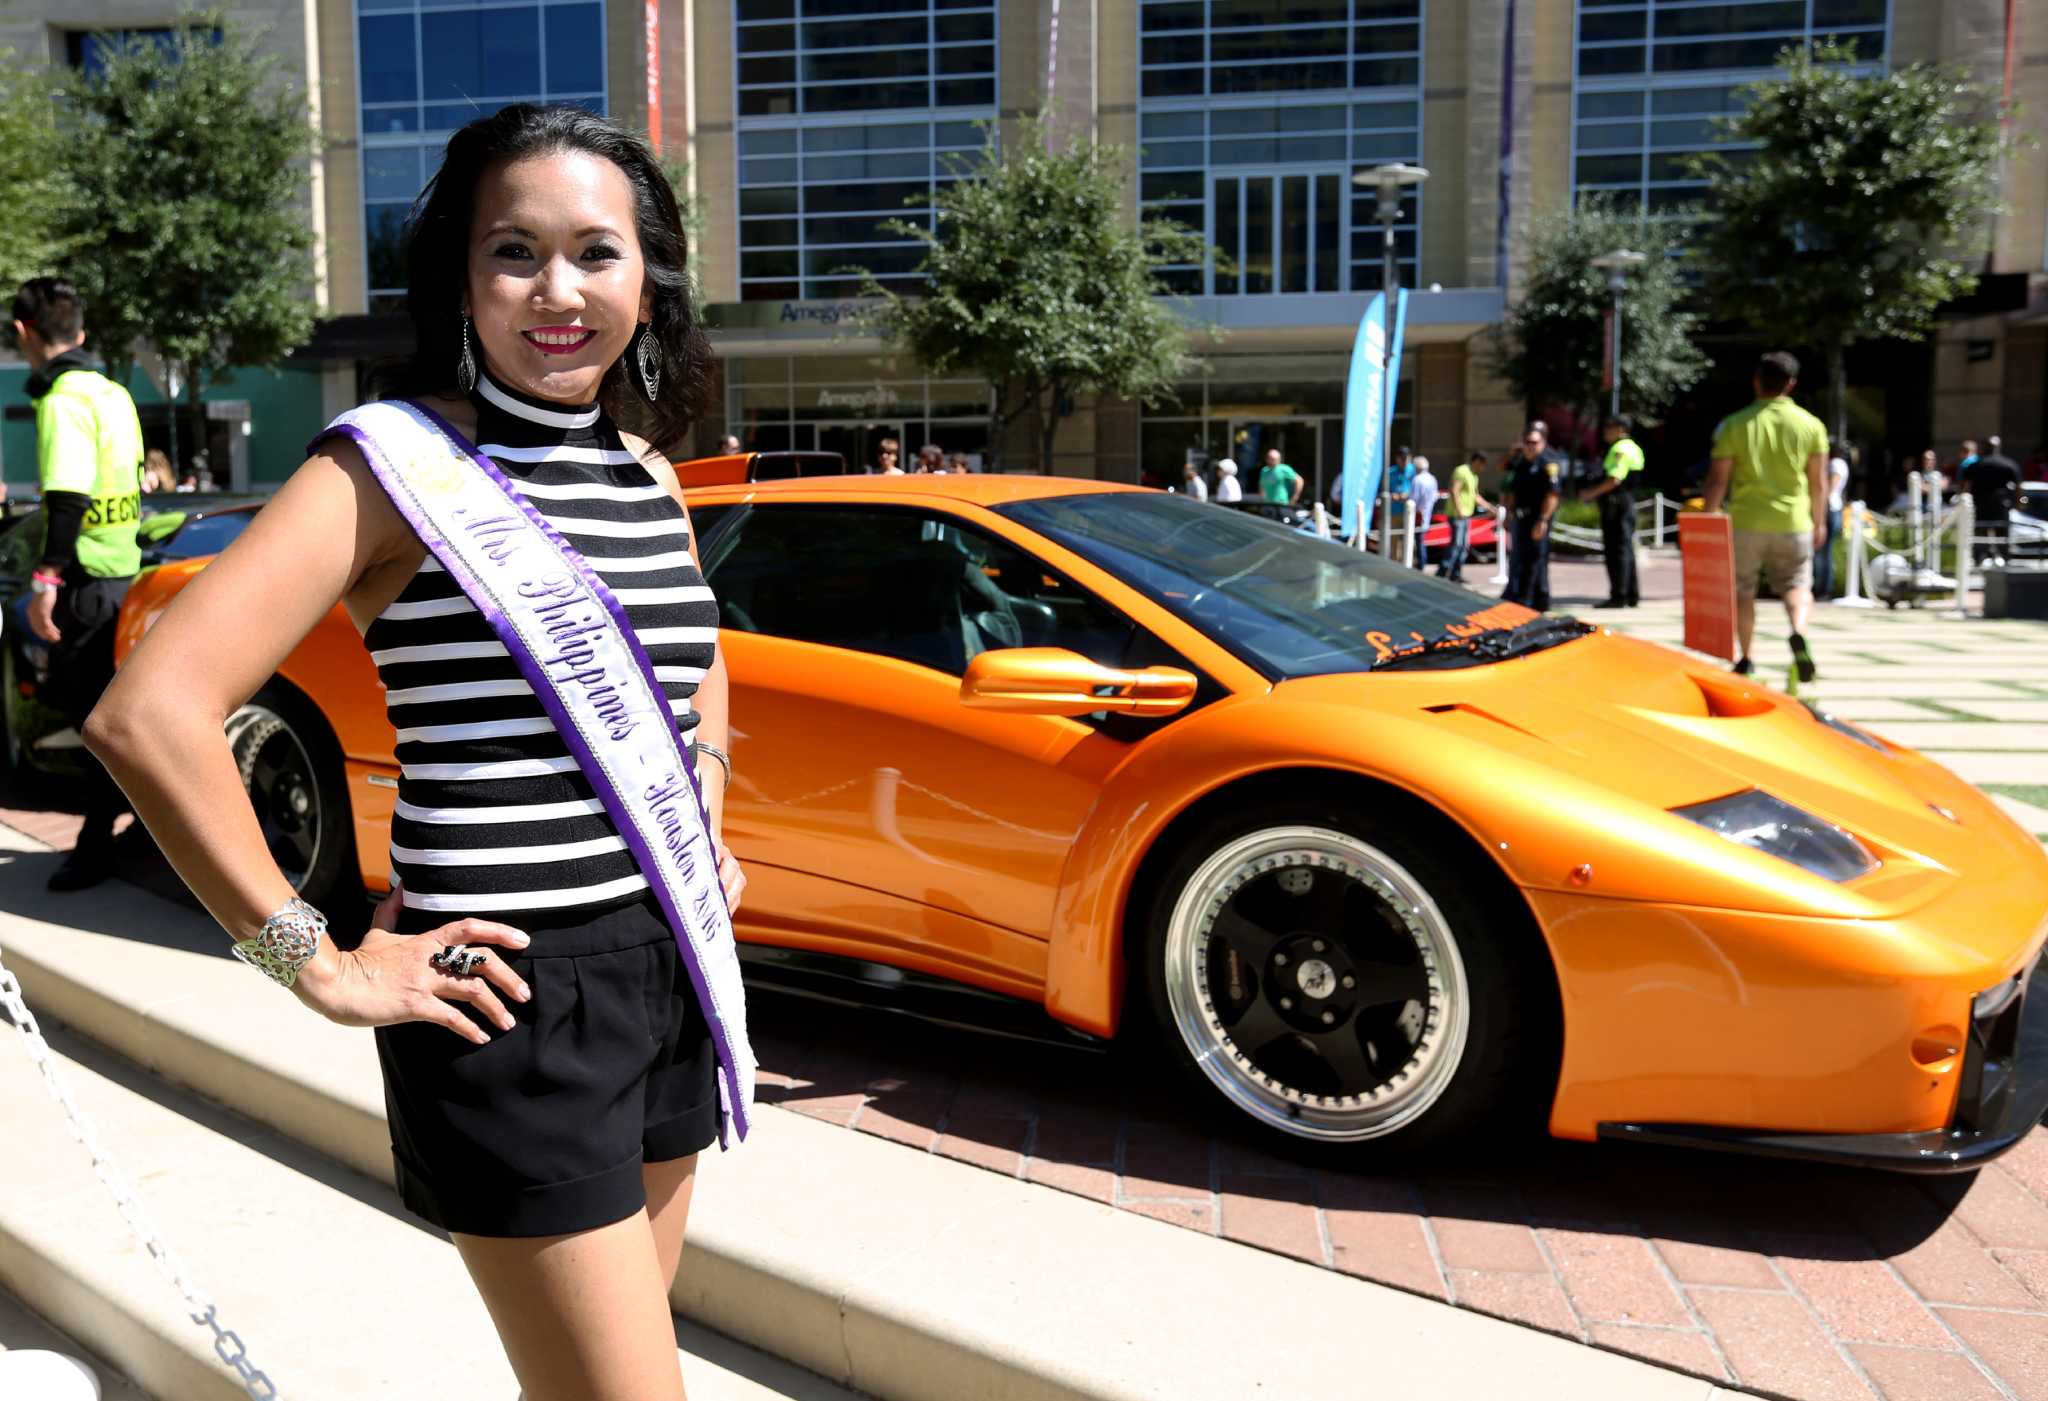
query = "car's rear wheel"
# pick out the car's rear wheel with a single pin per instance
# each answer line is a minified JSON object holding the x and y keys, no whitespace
{"x":1328,"y":978}
{"x":291,"y":769}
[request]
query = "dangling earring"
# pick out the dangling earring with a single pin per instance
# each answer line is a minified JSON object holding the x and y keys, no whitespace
{"x":647,"y":360}
{"x":465,"y":366}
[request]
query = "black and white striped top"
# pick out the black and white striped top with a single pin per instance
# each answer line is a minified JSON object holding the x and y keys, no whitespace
{"x":493,"y":815}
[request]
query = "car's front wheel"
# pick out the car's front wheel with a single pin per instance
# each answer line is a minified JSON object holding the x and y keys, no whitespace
{"x":1335,"y":978}
{"x":292,"y":770}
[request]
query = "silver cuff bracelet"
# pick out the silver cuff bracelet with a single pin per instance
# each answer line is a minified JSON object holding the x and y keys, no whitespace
{"x":724,"y":759}
{"x":286,"y":943}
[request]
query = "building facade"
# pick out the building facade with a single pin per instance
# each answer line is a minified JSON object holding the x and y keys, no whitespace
{"x":798,"y":127}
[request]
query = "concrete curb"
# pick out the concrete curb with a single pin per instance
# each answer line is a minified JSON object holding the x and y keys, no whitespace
{"x":900,"y":1273}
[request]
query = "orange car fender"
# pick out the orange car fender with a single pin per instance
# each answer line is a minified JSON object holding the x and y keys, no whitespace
{"x":1547,"y":830}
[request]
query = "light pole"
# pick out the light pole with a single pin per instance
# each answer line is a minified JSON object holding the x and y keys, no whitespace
{"x":1617,"y":265}
{"x":1390,"y":181}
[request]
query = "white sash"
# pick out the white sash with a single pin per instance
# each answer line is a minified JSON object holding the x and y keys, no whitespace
{"x":571,"y":641}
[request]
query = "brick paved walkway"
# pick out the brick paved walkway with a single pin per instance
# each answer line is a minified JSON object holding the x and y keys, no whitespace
{"x":1783,"y":1279}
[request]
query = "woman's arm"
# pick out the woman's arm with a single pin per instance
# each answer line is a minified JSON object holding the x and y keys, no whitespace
{"x":711,"y":701}
{"x":326,"y":535}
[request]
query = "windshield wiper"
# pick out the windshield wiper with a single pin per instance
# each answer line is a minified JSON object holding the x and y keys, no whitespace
{"x":1492,"y":646}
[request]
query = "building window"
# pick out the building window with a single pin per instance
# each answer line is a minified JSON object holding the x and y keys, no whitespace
{"x":1652,"y":76}
{"x":852,"y":113}
{"x":482,"y":59}
{"x":1253,"y":119}
{"x":87,"y":50}
{"x":848,"y":403}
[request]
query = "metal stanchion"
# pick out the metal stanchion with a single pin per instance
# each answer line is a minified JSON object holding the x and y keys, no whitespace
{"x":1408,"y":536}
{"x":1966,"y":551}
{"x":1856,"y":597}
{"x":1500,"y":545}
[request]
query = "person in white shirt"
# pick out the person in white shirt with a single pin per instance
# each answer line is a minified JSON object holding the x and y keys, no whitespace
{"x":1227,"y":488}
{"x":1824,"y":562}
{"x":1191,"y":483}
{"x":1422,"y":493}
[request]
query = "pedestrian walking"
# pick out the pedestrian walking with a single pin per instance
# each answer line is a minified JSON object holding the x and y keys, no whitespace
{"x":1191,"y":483}
{"x":959,"y":462}
{"x":1423,"y":491}
{"x":889,"y":458}
{"x":1464,"y":501}
{"x":1839,"y":467}
{"x":1769,"y":464}
{"x":89,"y":458}
{"x":1993,"y":482}
{"x":931,"y":461}
{"x":560,"y":1026}
{"x":729,"y":446}
{"x":1616,"y":494}
{"x":1228,"y":489}
{"x":1531,"y":487}
{"x":1279,"y":482}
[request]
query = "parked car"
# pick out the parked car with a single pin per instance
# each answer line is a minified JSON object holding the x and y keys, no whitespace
{"x":1484,"y":538}
{"x":1369,"y":858}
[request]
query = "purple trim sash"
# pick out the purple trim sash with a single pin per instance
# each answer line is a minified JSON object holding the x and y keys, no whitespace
{"x":475,"y":522}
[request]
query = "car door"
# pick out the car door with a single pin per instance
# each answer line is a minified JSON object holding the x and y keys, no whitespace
{"x":879,"y":816}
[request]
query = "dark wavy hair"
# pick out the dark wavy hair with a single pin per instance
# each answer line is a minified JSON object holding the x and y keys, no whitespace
{"x":437,"y":262}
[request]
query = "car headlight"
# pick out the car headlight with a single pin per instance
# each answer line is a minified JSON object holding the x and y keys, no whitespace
{"x":1771,"y":825}
{"x":1843,"y":727}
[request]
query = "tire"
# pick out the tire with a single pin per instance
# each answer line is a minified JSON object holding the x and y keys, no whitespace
{"x":292,"y":771}
{"x":1386,"y":997}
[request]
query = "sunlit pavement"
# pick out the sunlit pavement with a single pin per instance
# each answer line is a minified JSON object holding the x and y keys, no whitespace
{"x":1784,"y":1279}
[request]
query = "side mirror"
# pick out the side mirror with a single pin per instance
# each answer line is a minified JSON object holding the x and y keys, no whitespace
{"x":1054,"y":681}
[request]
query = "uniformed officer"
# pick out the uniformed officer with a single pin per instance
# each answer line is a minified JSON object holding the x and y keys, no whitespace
{"x":1616,"y":495}
{"x":89,"y":449}
{"x":1531,"y":489}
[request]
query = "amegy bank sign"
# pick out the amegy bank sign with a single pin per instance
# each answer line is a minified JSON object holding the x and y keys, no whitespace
{"x":846,"y":314}
{"x":873,"y":399}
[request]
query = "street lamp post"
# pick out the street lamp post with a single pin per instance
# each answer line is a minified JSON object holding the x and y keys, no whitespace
{"x":1617,"y":265}
{"x":1390,"y":181}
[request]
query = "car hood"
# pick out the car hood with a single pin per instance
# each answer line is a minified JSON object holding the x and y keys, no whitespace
{"x":1651,"y":729}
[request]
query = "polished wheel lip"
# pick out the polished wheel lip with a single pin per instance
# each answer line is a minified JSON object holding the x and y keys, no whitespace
{"x":249,"y":729}
{"x":1402,"y":1099}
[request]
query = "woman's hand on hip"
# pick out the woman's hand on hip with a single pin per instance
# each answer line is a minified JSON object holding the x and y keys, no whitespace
{"x":731,"y":875}
{"x":390,"y":978}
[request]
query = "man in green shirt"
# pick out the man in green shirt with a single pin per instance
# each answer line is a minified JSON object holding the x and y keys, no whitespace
{"x":1277,"y":481}
{"x":1770,"y":464}
{"x":1617,"y":498}
{"x":89,"y":452}
{"x":1465,"y":501}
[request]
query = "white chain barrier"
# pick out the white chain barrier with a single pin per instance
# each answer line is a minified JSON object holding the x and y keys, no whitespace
{"x":227,"y":1345}
{"x":1911,"y":573}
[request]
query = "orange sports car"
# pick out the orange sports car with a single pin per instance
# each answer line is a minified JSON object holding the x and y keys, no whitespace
{"x":1368,"y":856}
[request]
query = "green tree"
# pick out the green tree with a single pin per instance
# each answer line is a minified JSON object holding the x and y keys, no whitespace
{"x":1551,"y":345}
{"x":32,"y":175}
{"x":1036,"y":281}
{"x":189,"y":158}
{"x":1858,"y":210}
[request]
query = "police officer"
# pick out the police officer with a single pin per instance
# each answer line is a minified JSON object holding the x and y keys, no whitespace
{"x":89,"y":449}
{"x":1531,"y":491}
{"x":1616,"y":495}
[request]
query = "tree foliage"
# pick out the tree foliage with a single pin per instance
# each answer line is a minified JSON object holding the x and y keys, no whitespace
{"x":1858,"y":210}
{"x":189,"y":158}
{"x":1551,"y":345}
{"x":31,"y":174}
{"x":1036,"y":282}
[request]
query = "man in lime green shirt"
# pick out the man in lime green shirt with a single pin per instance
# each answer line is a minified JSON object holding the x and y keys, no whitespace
{"x":1617,"y":498}
{"x":89,"y":451}
{"x":1277,"y":481}
{"x":1465,"y":501}
{"x":1770,"y":464}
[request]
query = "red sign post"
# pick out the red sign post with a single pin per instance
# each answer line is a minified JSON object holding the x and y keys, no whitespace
{"x":1706,"y":551}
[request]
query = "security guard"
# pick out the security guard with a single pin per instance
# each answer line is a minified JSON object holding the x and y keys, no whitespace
{"x":1617,"y":498}
{"x":89,"y":448}
{"x":1531,"y":490}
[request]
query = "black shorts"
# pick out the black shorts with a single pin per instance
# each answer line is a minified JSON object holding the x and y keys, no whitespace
{"x":543,"y":1131}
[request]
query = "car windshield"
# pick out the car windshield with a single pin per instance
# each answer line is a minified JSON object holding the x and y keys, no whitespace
{"x":1290,"y":604}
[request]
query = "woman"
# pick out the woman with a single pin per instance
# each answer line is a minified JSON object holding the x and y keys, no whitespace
{"x":1227,"y":487}
{"x":931,"y":461}
{"x":519,"y":959}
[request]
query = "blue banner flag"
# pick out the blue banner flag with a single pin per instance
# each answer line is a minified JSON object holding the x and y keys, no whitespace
{"x":1365,"y":430}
